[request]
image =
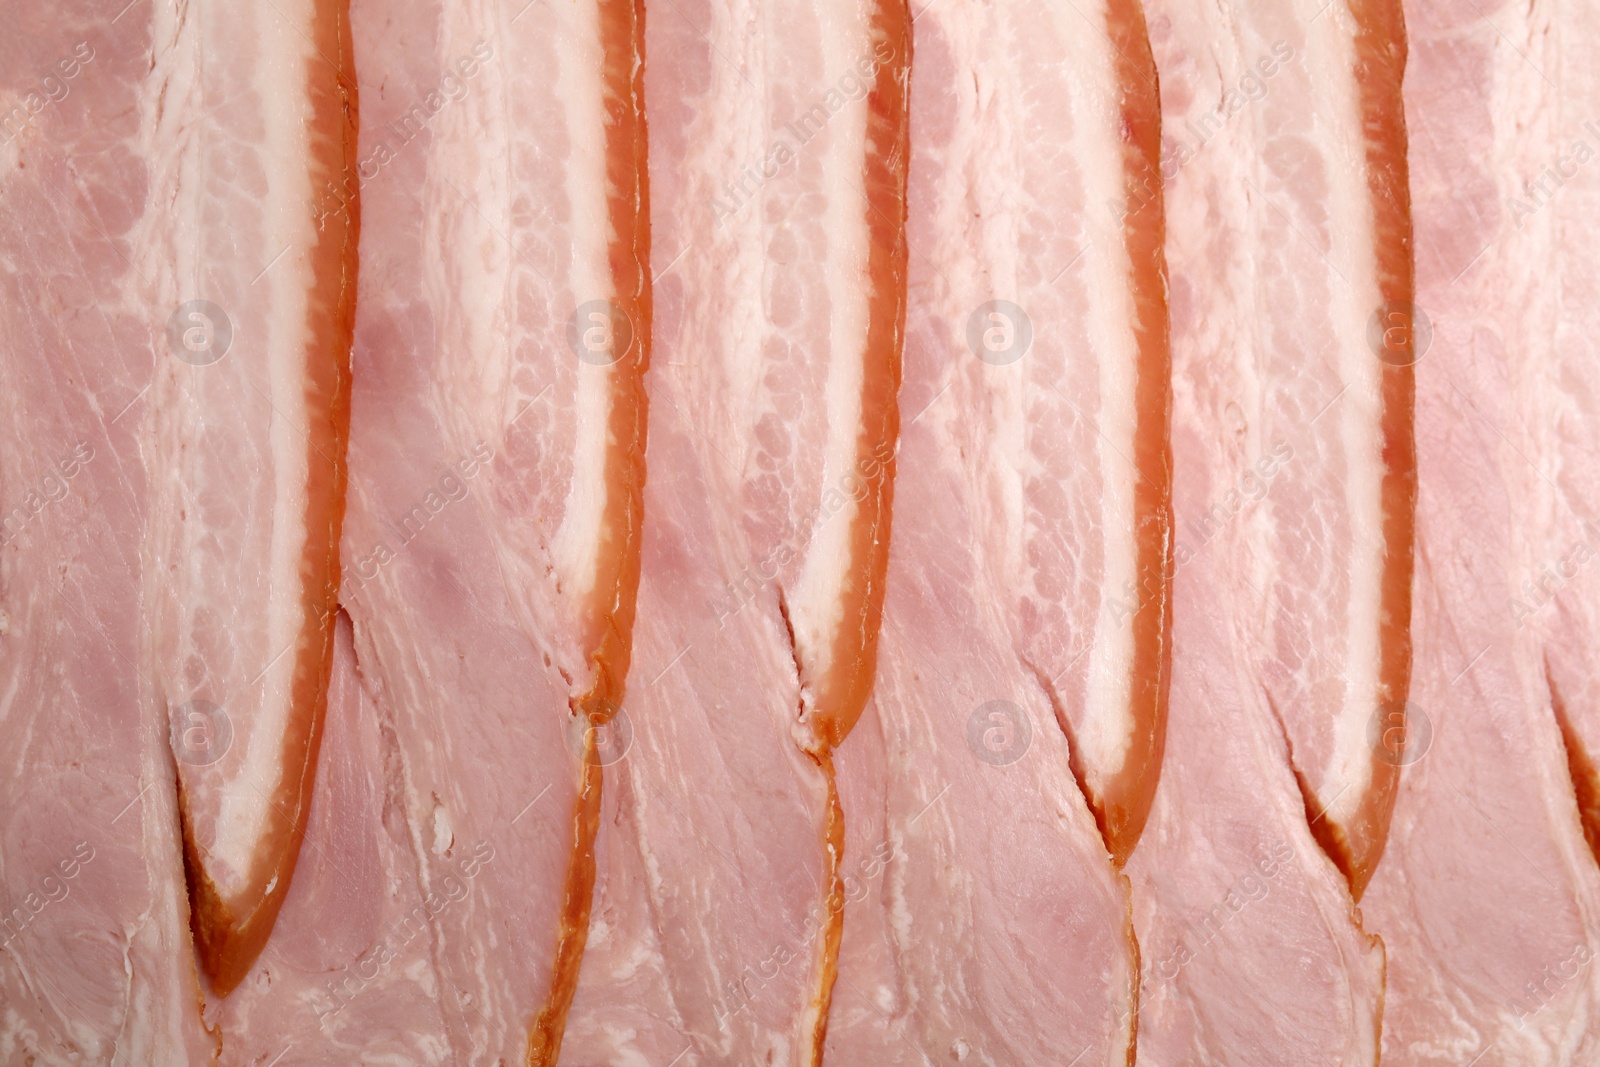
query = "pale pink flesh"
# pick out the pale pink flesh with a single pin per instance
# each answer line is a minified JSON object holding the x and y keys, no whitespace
{"x":248,"y":120}
{"x":972,"y":934}
{"x":716,"y":870}
{"x":1487,"y":814}
{"x":1557,"y":595}
{"x":470,"y":540}
{"x":1249,"y":942}
{"x":1303,"y":516}
{"x":349,"y":971}
{"x":96,"y":959}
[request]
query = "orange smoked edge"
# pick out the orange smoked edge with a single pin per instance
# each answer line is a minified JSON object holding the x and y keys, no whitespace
{"x":841,"y":695}
{"x":1580,"y":766}
{"x":1380,"y":46}
{"x":1125,"y":802}
{"x":1135,"y":969}
{"x":622,"y":36}
{"x":229,"y":934}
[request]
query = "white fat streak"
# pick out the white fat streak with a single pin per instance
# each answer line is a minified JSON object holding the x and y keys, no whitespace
{"x":1105,"y":735}
{"x":817,"y":602}
{"x":580,"y":88}
{"x":1331,"y":59}
{"x":282,"y":34}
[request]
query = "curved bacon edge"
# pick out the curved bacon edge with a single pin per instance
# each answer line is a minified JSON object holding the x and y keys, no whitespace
{"x":1356,"y":844}
{"x":1123,"y":804}
{"x":617,"y":585}
{"x":228,"y":937}
{"x":839,"y":695}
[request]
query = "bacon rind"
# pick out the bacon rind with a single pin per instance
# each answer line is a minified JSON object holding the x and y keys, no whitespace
{"x":1123,"y":805}
{"x":229,"y":934}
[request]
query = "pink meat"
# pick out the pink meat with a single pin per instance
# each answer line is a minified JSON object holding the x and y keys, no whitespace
{"x":1249,"y":941}
{"x":471,"y":267}
{"x":985,"y":922}
{"x":349,"y":975}
{"x":95,"y":955}
{"x":1318,"y":519}
{"x":706,"y":934}
{"x":1489,"y":898}
{"x":247,"y":259}
{"x":1558,"y":597}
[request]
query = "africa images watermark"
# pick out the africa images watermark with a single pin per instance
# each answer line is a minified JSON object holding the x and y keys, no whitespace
{"x":390,"y":139}
{"x":1552,"y":980}
{"x":1182,"y":144}
{"x":51,"y":90}
{"x":53,"y":487}
{"x":449,"y":488}
{"x":739,"y":992}
{"x":1202,"y":928}
{"x":1254,"y":484}
{"x":1541,"y":591}
{"x":1553,"y":177}
{"x":53,"y":888}
{"x":785,"y":146}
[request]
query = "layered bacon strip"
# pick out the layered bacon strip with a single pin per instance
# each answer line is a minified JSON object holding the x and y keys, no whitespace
{"x":1232,"y":887}
{"x":1498,"y":99}
{"x":609,"y":468}
{"x":512,"y":329}
{"x":250,"y":136}
{"x":1325,"y":420}
{"x":96,"y":958}
{"x":1036,"y":331}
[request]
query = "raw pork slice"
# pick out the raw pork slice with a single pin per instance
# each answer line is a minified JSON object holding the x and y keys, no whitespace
{"x":96,"y":963}
{"x":249,"y":264}
{"x":496,"y":463}
{"x":1489,"y":898}
{"x":987,"y":923}
{"x":1322,"y":506}
{"x":1251,"y":946}
{"x":778,"y":167}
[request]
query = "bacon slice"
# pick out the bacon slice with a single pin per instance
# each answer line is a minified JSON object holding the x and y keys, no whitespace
{"x":604,"y":525}
{"x":1092,"y":540}
{"x":95,"y":958}
{"x":497,"y":465}
{"x":834,"y":606}
{"x":1323,"y":416}
{"x":249,"y":126}
{"x":1495,"y":94}
{"x":959,"y":914}
{"x":1250,"y":944}
{"x":778,"y":168}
